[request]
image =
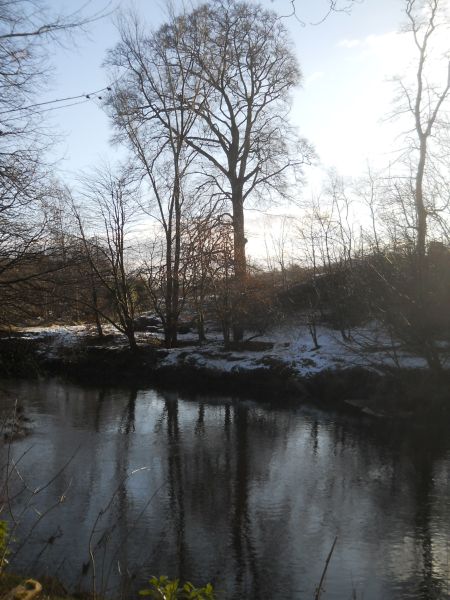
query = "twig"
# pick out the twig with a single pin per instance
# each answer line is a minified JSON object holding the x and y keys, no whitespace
{"x":324,"y":572}
{"x":94,"y":530}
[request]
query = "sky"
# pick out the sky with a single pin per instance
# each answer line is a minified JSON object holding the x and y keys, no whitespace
{"x":348,"y":64}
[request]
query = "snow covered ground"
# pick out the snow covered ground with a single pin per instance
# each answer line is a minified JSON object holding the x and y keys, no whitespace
{"x":292,"y":346}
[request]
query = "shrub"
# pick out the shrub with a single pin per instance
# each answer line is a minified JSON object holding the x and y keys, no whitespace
{"x":166,"y":589}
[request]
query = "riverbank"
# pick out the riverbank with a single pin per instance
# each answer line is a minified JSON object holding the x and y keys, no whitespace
{"x":283,"y":366}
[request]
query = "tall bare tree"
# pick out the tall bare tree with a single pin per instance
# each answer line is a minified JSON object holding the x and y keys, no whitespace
{"x":423,"y":195}
{"x":147,"y":114}
{"x":243,"y":71}
{"x":234,"y":69}
{"x":425,"y":101}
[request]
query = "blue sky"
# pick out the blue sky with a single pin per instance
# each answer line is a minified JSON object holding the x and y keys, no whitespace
{"x":345,"y":61}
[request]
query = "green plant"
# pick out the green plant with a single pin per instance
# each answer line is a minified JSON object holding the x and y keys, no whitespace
{"x":4,"y":540}
{"x":166,"y":589}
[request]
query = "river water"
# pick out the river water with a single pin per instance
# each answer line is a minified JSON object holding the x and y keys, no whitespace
{"x":115,"y":485}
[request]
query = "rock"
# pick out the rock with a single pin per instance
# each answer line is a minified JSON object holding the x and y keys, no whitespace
{"x":26,"y":591}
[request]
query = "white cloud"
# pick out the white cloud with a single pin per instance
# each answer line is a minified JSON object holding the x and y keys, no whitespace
{"x":392,"y":51}
{"x":348,"y":43}
{"x":313,"y":77}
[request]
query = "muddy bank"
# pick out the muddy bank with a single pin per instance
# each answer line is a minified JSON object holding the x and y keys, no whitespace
{"x":406,"y":393}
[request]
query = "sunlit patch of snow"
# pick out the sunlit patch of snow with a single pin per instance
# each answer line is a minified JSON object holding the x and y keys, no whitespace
{"x":368,"y":347}
{"x":59,"y":334}
{"x":293,"y":346}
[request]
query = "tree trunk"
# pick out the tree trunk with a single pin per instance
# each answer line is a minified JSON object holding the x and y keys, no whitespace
{"x":171,"y":331}
{"x":201,"y":324}
{"x":240,"y":265}
{"x":226,"y":333}
{"x":131,"y":339}
{"x":96,"y":314}
{"x":173,"y":255}
{"x":176,"y":258}
{"x":168,"y":329}
{"x":98,"y":325}
{"x":421,"y":212}
{"x":433,"y":360}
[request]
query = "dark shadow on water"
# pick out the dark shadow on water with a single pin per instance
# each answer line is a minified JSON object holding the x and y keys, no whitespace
{"x":245,"y":495}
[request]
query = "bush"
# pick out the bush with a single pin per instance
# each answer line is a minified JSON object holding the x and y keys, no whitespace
{"x":166,"y":589}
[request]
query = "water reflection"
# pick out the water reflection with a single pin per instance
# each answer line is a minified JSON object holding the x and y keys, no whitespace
{"x":247,"y":496}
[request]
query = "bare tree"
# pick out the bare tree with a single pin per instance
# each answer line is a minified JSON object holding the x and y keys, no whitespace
{"x":330,"y":6}
{"x":219,"y":265}
{"x":237,"y":67}
{"x":276,"y":244}
{"x":208,"y":249}
{"x":243,"y":71}
{"x":147,"y":114}
{"x":32,"y":252}
{"x":425,"y":101}
{"x":27,"y":31}
{"x":109,"y":205}
{"x":412,"y":295}
{"x":329,"y":244}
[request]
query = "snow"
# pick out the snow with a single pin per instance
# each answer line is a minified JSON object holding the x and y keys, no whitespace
{"x":56,"y":337}
{"x":292,"y":346}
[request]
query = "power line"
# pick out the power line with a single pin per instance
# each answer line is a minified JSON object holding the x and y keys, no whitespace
{"x":45,"y":110}
{"x":59,"y":100}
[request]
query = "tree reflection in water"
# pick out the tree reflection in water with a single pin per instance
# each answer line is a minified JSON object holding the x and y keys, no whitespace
{"x":246,"y":496}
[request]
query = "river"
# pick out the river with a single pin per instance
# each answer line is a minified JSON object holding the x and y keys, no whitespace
{"x":115,"y":485}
